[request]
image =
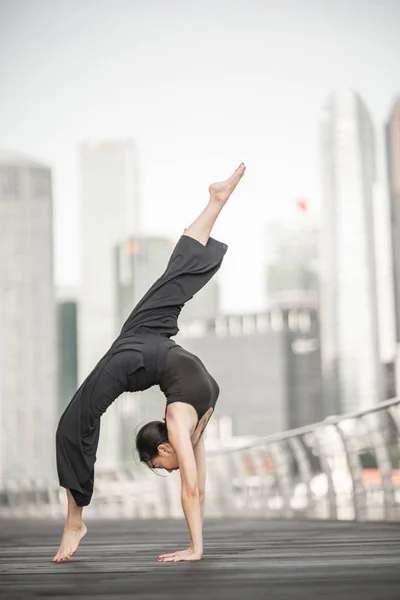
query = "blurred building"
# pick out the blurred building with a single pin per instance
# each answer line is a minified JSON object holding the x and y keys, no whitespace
{"x":67,"y":314}
{"x":109,"y":213}
{"x":204,"y":305}
{"x":293,"y":254}
{"x":384,"y":276}
{"x":28,"y":347}
{"x":140,"y":261}
{"x":393,"y":162}
{"x":267,"y":365}
{"x":350,"y":341}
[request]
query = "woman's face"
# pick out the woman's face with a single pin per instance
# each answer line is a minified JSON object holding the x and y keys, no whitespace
{"x":165,"y":459}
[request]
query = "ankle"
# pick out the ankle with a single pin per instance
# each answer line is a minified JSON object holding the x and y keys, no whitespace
{"x":215,"y":205}
{"x":73,"y":523}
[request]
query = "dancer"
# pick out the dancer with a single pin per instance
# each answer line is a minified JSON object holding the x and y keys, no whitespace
{"x":143,"y":355}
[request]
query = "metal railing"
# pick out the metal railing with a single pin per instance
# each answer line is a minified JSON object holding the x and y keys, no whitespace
{"x":345,"y":467}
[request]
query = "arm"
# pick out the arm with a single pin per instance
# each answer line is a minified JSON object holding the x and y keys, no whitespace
{"x":200,"y":458}
{"x":179,"y":438}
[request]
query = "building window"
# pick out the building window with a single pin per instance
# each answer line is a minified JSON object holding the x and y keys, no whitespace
{"x":197,"y":329}
{"x":221,"y":327}
{"x":304,"y":321}
{"x":262,"y":323}
{"x":235,"y":325}
{"x":293,"y":320}
{"x":40,"y":182}
{"x":8,"y":181}
{"x":249,"y":324}
{"x":276,"y":320}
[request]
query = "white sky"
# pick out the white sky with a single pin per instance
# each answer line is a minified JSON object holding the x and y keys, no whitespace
{"x":200,"y":86}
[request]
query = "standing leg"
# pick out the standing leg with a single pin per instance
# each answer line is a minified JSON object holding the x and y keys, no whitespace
{"x":201,"y":228}
{"x":74,"y":530}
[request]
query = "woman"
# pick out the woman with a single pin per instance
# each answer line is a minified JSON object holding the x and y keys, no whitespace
{"x":144,"y":355}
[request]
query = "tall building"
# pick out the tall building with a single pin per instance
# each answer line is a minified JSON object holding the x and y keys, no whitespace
{"x":293,"y":255}
{"x":384,"y":275}
{"x":267,"y":365}
{"x":140,"y":260}
{"x":393,"y":162}
{"x":349,"y":321}
{"x":28,"y":349}
{"x":67,"y":314}
{"x":109,"y":213}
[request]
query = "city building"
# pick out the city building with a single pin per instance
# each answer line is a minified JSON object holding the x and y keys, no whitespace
{"x":267,"y":365}
{"x":384,"y":276}
{"x":139,"y":262}
{"x":293,"y":261}
{"x":348,"y":298}
{"x":67,"y":314}
{"x":28,"y":345}
{"x":393,"y":162}
{"x":109,"y":214}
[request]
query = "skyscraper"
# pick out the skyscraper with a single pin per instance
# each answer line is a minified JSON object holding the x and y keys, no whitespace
{"x":109,"y":213}
{"x":67,"y":314}
{"x":350,"y":341}
{"x":293,"y":255}
{"x":28,"y":349}
{"x":393,"y":162}
{"x":140,"y":260}
{"x":384,"y":275}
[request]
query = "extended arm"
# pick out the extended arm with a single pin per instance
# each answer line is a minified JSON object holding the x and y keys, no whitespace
{"x":179,"y":438}
{"x":200,"y":458}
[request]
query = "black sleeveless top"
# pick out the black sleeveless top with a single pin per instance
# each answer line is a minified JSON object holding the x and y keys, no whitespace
{"x":185,"y":379}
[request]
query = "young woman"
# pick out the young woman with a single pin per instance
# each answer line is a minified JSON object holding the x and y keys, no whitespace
{"x":144,"y":355}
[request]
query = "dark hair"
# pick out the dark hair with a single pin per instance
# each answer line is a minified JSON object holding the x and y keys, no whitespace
{"x":149,"y":437}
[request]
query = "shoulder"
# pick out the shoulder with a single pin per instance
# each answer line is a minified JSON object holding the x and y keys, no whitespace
{"x":179,"y":416}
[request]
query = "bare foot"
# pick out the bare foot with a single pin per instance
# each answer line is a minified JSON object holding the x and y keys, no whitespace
{"x":70,"y":541}
{"x":222,"y":190}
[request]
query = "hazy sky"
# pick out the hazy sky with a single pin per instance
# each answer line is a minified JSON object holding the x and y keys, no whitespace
{"x":200,"y":86}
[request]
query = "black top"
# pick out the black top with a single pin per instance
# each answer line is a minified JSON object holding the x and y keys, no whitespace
{"x":185,"y":379}
{"x":136,"y":361}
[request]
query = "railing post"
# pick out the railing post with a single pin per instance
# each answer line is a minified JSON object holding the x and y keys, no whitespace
{"x":384,"y":463}
{"x":280,"y":455}
{"x":305,"y":471}
{"x":353,"y":462}
{"x":331,"y":496}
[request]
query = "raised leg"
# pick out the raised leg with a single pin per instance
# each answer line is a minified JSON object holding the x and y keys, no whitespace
{"x":201,"y":228}
{"x":74,"y":530}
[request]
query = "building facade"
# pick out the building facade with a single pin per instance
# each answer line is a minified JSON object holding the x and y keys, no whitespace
{"x":67,"y":315}
{"x":350,"y":341}
{"x":293,"y":262}
{"x":393,"y":162}
{"x":268,"y":367}
{"x":28,"y":346}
